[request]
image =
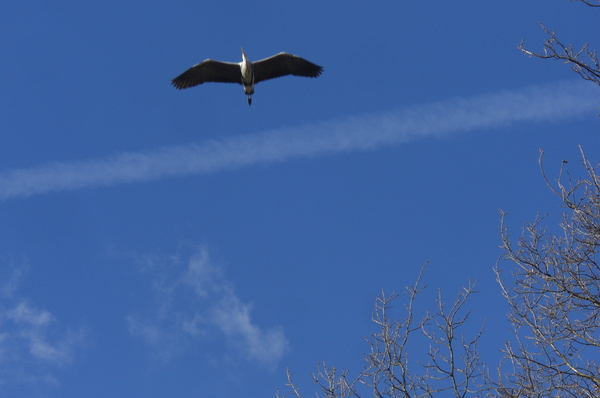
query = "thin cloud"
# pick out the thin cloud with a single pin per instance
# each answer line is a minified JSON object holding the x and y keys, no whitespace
{"x":32,"y":341}
{"x":194,"y":302}
{"x":233,"y":318}
{"x":28,"y":334}
{"x":24,"y":314}
{"x":150,"y":333}
{"x":540,"y":103}
{"x":8,"y":289}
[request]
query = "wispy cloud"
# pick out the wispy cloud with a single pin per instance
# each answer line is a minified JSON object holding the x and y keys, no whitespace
{"x":32,"y":341}
{"x":32,"y":331}
{"x":540,"y":103}
{"x":232,"y":317}
{"x":195,"y":302}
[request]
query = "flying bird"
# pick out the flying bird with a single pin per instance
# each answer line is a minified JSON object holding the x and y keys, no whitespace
{"x":246,"y":73}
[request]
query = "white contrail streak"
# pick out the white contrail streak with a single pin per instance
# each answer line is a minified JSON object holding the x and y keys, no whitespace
{"x":541,"y":103}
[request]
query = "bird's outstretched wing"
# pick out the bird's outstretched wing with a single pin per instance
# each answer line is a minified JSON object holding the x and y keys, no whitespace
{"x":209,"y":71}
{"x":284,"y":64}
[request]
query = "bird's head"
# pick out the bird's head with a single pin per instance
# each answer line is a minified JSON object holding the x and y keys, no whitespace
{"x":244,"y":55}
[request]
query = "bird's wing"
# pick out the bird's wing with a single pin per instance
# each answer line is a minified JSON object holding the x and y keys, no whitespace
{"x":284,"y":64}
{"x":209,"y":71}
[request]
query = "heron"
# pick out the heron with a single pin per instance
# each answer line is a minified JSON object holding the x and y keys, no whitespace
{"x":246,"y":73}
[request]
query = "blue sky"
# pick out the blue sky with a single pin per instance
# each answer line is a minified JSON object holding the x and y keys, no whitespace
{"x":157,"y":242}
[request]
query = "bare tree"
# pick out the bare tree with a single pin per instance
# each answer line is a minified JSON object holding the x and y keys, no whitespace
{"x":555,"y":294}
{"x":452,"y":366}
{"x":584,"y":61}
{"x":555,"y":297}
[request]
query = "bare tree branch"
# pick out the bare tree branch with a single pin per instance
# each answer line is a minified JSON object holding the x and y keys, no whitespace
{"x":584,"y":61}
{"x":589,"y":3}
{"x":294,"y":391}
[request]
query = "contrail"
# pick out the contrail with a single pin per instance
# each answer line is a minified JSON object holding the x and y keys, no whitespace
{"x":539,"y":103}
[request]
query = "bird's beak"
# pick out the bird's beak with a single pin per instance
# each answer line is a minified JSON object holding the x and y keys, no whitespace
{"x":243,"y":53}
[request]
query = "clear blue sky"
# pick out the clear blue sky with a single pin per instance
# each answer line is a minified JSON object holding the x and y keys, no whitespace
{"x":165,"y":243}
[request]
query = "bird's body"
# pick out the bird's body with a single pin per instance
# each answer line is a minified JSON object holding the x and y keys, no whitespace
{"x":246,"y":73}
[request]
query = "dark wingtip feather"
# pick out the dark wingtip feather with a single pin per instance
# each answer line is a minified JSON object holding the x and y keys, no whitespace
{"x":177,"y":84}
{"x":310,"y":69}
{"x":317,"y":71}
{"x":183,"y":81}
